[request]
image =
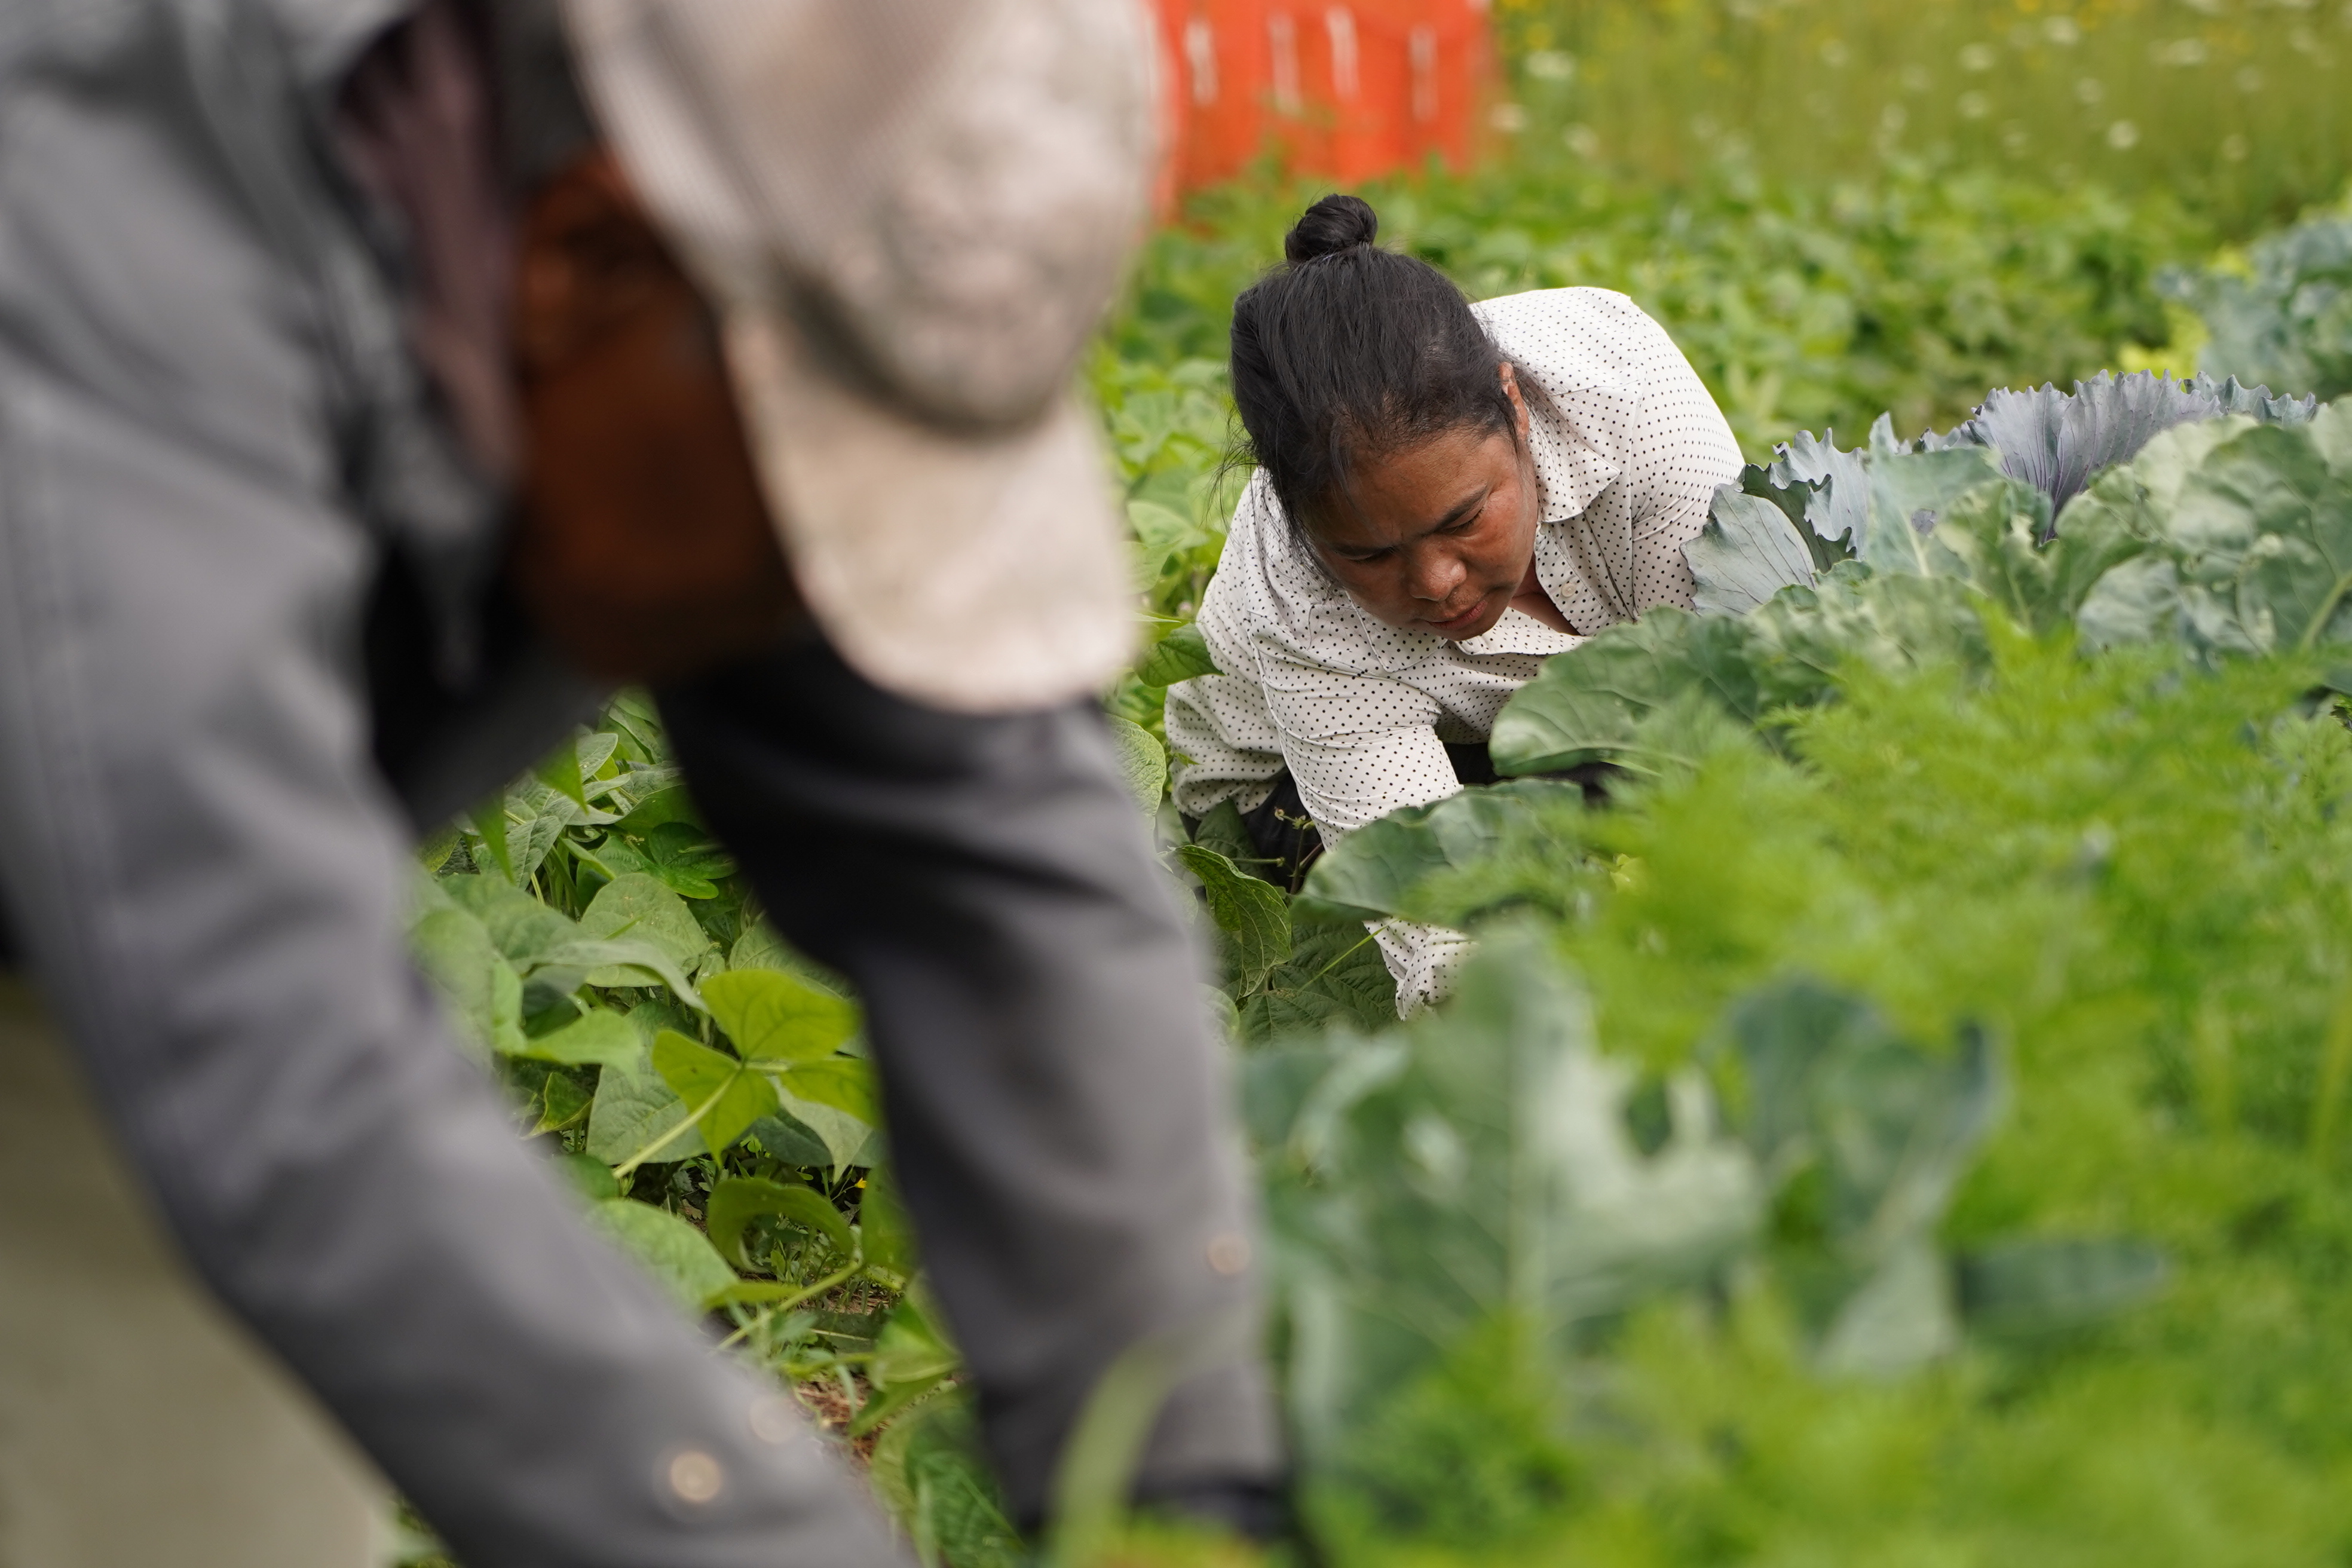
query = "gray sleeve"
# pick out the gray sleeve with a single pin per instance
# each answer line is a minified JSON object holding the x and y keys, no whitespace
{"x":207,"y":877}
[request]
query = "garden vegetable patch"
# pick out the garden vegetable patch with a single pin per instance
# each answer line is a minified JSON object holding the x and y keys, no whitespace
{"x":1906,"y":1121}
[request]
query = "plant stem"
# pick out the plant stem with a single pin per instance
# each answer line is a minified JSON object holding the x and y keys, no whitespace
{"x":840,"y":1277}
{"x":627,"y":1168}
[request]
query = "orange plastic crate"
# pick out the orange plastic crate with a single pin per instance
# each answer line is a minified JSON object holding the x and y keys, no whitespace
{"x":1344,"y":88}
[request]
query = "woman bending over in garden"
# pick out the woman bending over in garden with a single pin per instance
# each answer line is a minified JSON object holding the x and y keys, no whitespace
{"x":1447,"y":495}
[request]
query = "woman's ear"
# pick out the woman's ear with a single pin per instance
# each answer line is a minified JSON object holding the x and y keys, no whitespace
{"x":1509,"y":373}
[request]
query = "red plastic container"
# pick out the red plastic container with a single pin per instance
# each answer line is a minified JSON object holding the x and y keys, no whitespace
{"x":1345,"y":88}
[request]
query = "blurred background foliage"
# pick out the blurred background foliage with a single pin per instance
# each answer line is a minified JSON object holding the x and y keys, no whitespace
{"x":2238,"y":107}
{"x":1838,"y":208}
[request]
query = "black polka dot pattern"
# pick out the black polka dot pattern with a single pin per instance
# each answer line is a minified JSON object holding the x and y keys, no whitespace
{"x":1628,"y":455}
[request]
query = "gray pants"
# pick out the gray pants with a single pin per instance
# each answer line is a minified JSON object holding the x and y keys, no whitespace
{"x":139,"y":1424}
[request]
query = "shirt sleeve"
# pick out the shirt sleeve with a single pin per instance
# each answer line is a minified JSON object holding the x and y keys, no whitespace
{"x":1680,"y":449}
{"x":1229,"y":748}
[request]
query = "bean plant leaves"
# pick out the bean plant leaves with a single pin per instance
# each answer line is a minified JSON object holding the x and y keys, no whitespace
{"x":641,"y":908}
{"x":599,"y":1039}
{"x":737,"y":1201}
{"x":561,"y":773}
{"x":727,"y":1095}
{"x":1335,"y":976}
{"x":1223,"y":831}
{"x":632,"y":1109}
{"x":911,"y":1358}
{"x":1253,"y":917}
{"x":884,"y":1231}
{"x":562,"y":1102}
{"x":658,"y":809}
{"x":1142,"y":760}
{"x":524,"y":928}
{"x":687,"y":860}
{"x":792,"y":1141}
{"x":676,"y":1255}
{"x":1161,"y":532}
{"x":1181,"y":654}
{"x":844,"y":1083}
{"x":489,"y":820}
{"x":773,"y":1016}
{"x":481,"y":988}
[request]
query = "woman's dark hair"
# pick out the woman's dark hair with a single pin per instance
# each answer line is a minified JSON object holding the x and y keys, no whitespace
{"x":1347,"y":348}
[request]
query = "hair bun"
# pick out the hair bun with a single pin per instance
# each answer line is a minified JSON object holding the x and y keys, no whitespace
{"x":1336,"y":223}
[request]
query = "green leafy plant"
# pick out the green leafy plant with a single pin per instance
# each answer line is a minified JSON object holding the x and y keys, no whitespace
{"x":2001,"y":974}
{"x":2281,"y":312}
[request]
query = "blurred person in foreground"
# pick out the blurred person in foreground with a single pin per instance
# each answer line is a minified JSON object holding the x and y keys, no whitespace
{"x":378,"y":383}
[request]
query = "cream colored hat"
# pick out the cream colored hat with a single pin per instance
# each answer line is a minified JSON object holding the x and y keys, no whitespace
{"x":912,"y":214}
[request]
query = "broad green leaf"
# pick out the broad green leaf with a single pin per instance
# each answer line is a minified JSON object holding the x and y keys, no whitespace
{"x":727,"y":1095}
{"x":1909,"y":492}
{"x":675,"y":1253}
{"x":2248,"y":531}
{"x":761,"y":948}
{"x":1588,"y":705}
{"x":1371,"y":873}
{"x":885,"y":1232}
{"x":1223,"y":831}
{"x":1893,"y":1127}
{"x":1182,"y":655}
{"x":562,"y":1102}
{"x":592,"y":750}
{"x":1335,"y":976}
{"x":434,"y":851}
{"x":536,"y":820}
{"x":687,"y":860}
{"x":737,"y":1201}
{"x":668,"y":805}
{"x":640,"y":907}
{"x":910,"y":1359}
{"x":792,"y":1140}
{"x":773,"y":1016}
{"x":1253,"y":917}
{"x":845,"y":1083}
{"x":561,"y":773}
{"x":631,"y":1111}
{"x":623,"y":962}
{"x":1161,"y":532}
{"x":601,"y":1039}
{"x":837,"y":1138}
{"x":1142,"y":761}
{"x":1478,"y":1161}
{"x":524,"y":928}
{"x":590,"y":1176}
{"x":481,"y":988}
{"x":1748,"y":552}
{"x":489,"y":820}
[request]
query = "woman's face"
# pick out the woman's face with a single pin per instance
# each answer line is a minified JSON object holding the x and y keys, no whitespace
{"x":1440,"y":534}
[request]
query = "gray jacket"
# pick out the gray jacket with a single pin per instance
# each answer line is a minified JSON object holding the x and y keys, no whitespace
{"x":216,"y":452}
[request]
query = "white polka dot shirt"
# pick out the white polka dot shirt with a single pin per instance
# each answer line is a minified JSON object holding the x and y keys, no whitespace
{"x":1627,"y":457}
